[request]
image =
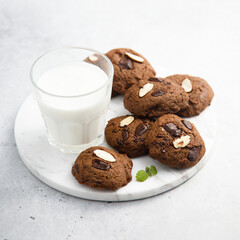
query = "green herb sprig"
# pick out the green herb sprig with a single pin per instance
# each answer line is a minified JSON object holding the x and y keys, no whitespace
{"x":142,"y":175}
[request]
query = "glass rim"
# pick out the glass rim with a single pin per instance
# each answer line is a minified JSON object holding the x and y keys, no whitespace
{"x":71,"y":96}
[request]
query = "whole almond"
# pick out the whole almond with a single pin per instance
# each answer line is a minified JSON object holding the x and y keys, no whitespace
{"x":93,"y":58}
{"x":134,"y":57}
{"x":126,"y":121}
{"x":182,"y":142}
{"x":104,"y":155}
{"x":187,"y":85}
{"x":145,"y":89}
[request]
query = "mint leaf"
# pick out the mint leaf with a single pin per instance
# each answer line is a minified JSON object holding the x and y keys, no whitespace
{"x":141,"y":176}
{"x":148,"y":171}
{"x":153,"y":170}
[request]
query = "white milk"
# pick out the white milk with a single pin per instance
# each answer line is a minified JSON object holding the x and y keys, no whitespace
{"x":74,"y":120}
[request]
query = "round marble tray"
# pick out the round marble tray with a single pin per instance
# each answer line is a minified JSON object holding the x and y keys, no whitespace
{"x":54,"y":167}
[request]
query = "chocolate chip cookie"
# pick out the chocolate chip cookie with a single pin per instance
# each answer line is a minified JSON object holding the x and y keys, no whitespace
{"x":127,"y":134}
{"x":99,"y":61}
{"x":175,"y":142}
{"x":102,"y":168}
{"x":199,"y":92}
{"x":155,"y":97}
{"x":129,"y":68}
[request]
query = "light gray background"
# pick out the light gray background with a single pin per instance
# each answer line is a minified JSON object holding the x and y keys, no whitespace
{"x":196,"y":37}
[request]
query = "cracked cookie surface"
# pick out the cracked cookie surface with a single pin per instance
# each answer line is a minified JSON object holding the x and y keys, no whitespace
{"x":127,"y":71}
{"x":97,"y":171}
{"x":200,"y":95}
{"x":154,"y":97}
{"x":175,"y":142}
{"x":127,"y":134}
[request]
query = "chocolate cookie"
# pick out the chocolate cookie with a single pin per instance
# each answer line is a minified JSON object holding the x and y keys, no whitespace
{"x":99,"y":61}
{"x":155,"y":97}
{"x":103,"y":168}
{"x":127,"y":134}
{"x":199,"y":92}
{"x":129,"y":68}
{"x":175,"y":142}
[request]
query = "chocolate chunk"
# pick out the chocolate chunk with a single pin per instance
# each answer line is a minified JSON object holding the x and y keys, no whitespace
{"x":158,"y":93}
{"x":155,"y":80}
{"x":119,"y":142}
{"x":125,"y":135}
{"x":159,"y":136}
{"x":172,"y":129}
{"x":194,"y":153}
{"x":126,"y":63}
{"x":167,"y":83}
{"x":187,"y":124}
{"x":100,"y":165}
{"x":141,"y":129}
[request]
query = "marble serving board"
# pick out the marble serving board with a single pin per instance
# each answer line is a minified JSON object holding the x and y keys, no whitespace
{"x":54,"y":167}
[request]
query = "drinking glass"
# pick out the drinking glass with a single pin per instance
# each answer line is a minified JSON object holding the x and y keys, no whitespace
{"x":73,"y":122}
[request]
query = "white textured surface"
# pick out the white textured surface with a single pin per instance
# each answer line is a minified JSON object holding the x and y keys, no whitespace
{"x":196,"y":37}
{"x":54,"y":167}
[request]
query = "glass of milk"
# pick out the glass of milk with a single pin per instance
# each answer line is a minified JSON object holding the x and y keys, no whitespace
{"x":73,"y":89}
